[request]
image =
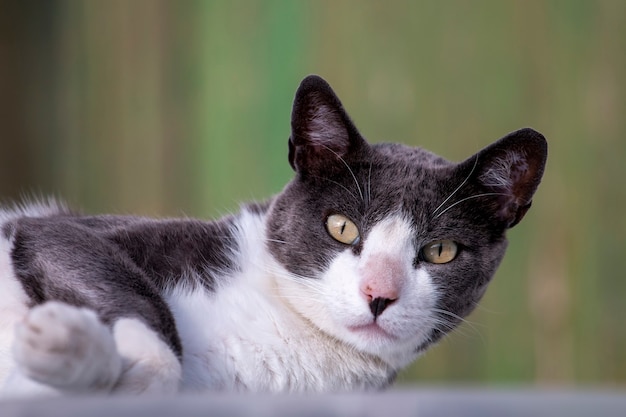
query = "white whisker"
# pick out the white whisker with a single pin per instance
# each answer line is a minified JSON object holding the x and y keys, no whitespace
{"x":369,"y":184}
{"x":452,"y":325}
{"x":457,"y":188}
{"x":349,"y":169}
{"x":274,"y":240}
{"x":465,"y":199}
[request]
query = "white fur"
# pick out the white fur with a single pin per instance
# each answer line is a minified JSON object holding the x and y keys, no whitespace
{"x":500,"y":173}
{"x":248,"y":337}
{"x":32,"y":208}
{"x":64,"y":349}
{"x":336,"y":304}
{"x":148,"y":365}
{"x":266,"y":330}
{"x":67,"y":348}
{"x":13,"y":308}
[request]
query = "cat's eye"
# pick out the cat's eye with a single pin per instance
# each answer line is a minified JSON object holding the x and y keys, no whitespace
{"x":440,"y":251}
{"x":342,"y":229}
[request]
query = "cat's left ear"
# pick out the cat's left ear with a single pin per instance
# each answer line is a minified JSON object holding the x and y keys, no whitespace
{"x":322,"y":134}
{"x":511,"y":168}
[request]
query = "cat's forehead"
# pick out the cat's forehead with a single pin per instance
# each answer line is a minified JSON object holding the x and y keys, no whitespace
{"x":383,"y":179}
{"x":411,"y":181}
{"x":404,"y":173}
{"x":391,"y":178}
{"x":406,"y":156}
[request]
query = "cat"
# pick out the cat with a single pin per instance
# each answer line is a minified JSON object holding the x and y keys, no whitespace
{"x":370,"y":255}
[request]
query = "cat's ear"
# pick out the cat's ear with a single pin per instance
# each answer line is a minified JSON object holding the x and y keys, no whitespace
{"x":511,"y":169}
{"x":322,"y":133}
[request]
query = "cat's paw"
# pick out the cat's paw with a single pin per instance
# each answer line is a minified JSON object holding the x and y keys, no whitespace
{"x":66,"y":347}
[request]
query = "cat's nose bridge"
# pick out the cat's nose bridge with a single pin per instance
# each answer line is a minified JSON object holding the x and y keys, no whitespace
{"x":382,"y":277}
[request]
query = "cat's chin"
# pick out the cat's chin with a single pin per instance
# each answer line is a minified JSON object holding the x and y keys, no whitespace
{"x":395,"y":353}
{"x":372,"y":332}
{"x":376,"y":340}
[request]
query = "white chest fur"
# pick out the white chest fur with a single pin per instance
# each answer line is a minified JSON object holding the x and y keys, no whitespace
{"x":236,"y":340}
{"x":245,"y":336}
{"x":242,"y":339}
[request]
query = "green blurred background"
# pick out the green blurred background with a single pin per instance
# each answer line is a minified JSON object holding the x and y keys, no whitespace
{"x":182,"y":108}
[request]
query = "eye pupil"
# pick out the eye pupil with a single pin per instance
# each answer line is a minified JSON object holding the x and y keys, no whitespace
{"x":440,"y":252}
{"x":342,"y":229}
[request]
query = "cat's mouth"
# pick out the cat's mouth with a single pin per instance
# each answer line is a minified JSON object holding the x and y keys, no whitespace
{"x":372,"y":330}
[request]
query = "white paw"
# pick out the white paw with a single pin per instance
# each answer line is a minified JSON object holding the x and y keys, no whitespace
{"x":67,"y":348}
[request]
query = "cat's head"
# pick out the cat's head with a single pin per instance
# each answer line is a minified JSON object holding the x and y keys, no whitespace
{"x":388,"y":247}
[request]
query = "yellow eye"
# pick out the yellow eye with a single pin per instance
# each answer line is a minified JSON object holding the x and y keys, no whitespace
{"x":440,"y":251}
{"x":342,"y":229}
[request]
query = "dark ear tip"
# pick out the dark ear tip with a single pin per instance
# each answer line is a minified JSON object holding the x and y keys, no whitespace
{"x":313,"y":83}
{"x":532,"y":138}
{"x":312,"y":79}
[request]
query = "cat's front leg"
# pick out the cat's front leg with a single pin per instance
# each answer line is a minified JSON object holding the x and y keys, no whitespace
{"x":148,"y":363}
{"x":65,"y":349}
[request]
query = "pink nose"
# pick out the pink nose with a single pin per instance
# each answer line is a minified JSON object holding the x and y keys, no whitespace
{"x":373,"y":291}
{"x":382,"y":278}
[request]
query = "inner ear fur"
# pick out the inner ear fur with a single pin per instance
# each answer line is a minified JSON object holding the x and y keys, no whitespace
{"x":511,"y":169}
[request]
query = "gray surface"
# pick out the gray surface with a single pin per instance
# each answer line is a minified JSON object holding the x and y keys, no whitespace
{"x":398,"y":403}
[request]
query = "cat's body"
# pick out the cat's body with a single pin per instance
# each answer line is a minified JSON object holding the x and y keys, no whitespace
{"x":370,"y":255}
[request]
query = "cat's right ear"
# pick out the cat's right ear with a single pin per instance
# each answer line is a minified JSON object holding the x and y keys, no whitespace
{"x":511,"y":170}
{"x":322,"y":134}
